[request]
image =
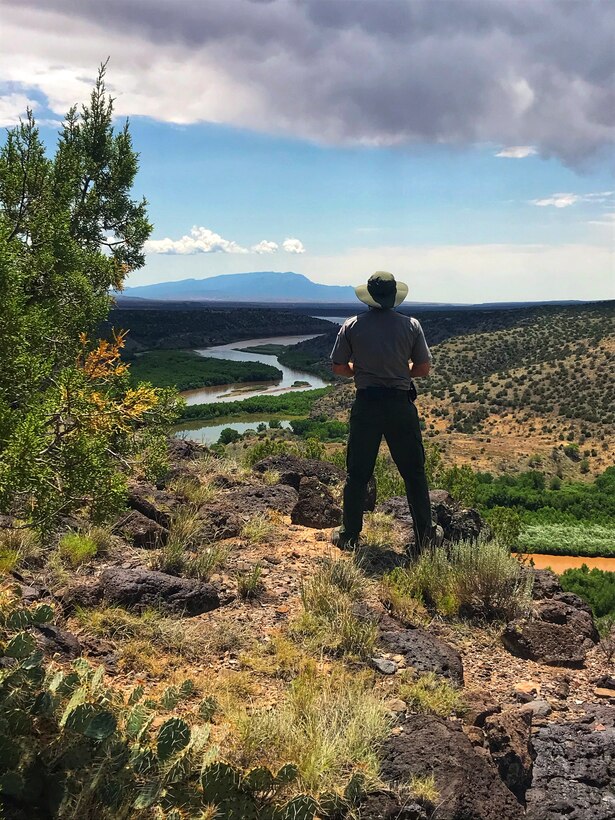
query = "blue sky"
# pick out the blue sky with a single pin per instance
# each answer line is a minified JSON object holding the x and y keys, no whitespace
{"x":350,"y":136}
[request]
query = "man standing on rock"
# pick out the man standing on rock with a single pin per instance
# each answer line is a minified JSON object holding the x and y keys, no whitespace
{"x":383,"y":351}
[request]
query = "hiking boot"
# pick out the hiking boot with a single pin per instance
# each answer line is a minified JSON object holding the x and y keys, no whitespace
{"x":342,"y":541}
{"x":436,"y":539}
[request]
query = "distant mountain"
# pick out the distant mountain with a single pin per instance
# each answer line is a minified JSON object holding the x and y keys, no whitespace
{"x":260,"y":286}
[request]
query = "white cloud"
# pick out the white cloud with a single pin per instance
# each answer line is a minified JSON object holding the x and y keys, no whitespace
{"x":13,"y":108}
{"x":557,"y":201}
{"x":291,"y":245}
{"x":565,"y":200}
{"x":200,"y":240}
{"x":517,"y":152}
{"x":265,"y":247}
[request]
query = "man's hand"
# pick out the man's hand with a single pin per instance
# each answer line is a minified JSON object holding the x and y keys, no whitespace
{"x":418,"y":370}
{"x":343,"y":369}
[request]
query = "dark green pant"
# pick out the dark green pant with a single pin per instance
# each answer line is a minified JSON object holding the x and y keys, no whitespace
{"x":379,"y":412}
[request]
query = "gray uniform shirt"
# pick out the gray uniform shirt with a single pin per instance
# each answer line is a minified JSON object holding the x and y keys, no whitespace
{"x":380,"y":343}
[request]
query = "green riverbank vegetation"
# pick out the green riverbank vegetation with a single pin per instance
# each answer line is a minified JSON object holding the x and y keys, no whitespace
{"x":186,"y":370}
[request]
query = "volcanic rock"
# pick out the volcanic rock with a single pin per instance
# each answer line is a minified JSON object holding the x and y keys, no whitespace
{"x":293,"y":468}
{"x":468,"y":784}
{"x":142,"y":532}
{"x":316,"y":506}
{"x":574,"y":769}
{"x":508,"y":737}
{"x":139,"y":589}
{"x":423,"y":651}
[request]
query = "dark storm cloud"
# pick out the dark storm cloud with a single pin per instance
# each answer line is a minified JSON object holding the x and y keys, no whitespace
{"x":511,"y":72}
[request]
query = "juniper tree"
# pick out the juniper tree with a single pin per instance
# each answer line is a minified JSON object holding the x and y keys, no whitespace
{"x":69,"y":232}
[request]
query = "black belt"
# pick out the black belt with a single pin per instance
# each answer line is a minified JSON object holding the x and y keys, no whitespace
{"x":379,"y":393}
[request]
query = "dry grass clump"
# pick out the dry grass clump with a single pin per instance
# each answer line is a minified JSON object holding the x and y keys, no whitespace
{"x":328,"y":725}
{"x":379,"y":531}
{"x":194,"y":489}
{"x":271,"y":477}
{"x":399,"y":601}
{"x":424,"y":788}
{"x":278,"y":658}
{"x":185,"y":638}
{"x":76,"y":548}
{"x":258,"y":528}
{"x":186,"y":551}
{"x":249,"y":582}
{"x":17,"y":546}
{"x":331,"y":620}
{"x":430,"y":694}
{"x":470,"y":579}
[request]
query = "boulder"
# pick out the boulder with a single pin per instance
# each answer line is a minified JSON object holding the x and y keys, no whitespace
{"x":574,"y":769}
{"x":293,"y":468}
{"x":251,"y":499}
{"x":54,"y":640}
{"x":508,"y":736}
{"x":142,"y":532}
{"x":226,"y":515}
{"x":558,"y":633}
{"x":142,"y":588}
{"x":456,"y":523}
{"x":423,"y":651}
{"x":151,"y":502}
{"x":468,"y":785}
{"x":184,"y":449}
{"x":546,"y":584}
{"x":316,"y":506}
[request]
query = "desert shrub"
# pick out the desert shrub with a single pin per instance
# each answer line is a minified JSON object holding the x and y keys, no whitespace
{"x":479,"y":580}
{"x":596,"y":586}
{"x":264,"y":448}
{"x":505,"y":525}
{"x":462,"y":484}
{"x":228,"y":435}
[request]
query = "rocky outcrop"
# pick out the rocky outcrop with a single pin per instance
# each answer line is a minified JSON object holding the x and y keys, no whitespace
{"x":153,"y":503}
{"x":468,"y":784}
{"x":141,"y":531}
{"x":559,"y":632}
{"x":545,"y":584}
{"x":54,"y":641}
{"x":508,"y":735}
{"x":225,"y":516}
{"x":457,"y":522}
{"x":292,"y":469}
{"x":574,"y":769}
{"x":139,"y":589}
{"x":316,"y":506}
{"x":422,"y":650}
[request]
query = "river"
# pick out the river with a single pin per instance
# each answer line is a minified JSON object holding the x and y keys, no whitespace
{"x":235,"y":351}
{"x":208,"y":433}
{"x":559,"y":563}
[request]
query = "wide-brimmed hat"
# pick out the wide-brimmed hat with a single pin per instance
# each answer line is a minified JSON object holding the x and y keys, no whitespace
{"x":382,"y":291}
